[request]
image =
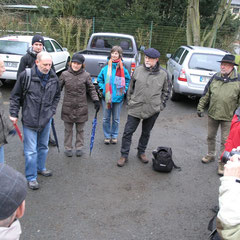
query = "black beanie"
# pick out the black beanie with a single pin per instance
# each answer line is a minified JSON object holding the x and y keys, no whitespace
{"x":38,"y":38}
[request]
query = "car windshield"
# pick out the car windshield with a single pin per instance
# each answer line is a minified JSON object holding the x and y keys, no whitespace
{"x":208,"y":62}
{"x":13,"y":47}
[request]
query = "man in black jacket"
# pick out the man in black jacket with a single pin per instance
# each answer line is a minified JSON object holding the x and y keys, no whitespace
{"x":28,"y":60}
{"x":38,"y":107}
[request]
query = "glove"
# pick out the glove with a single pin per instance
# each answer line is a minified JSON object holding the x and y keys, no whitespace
{"x":200,"y":114}
{"x":96,"y":105}
{"x":12,"y":132}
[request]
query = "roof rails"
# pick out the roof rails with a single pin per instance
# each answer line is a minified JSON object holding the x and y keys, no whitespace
{"x":189,"y":47}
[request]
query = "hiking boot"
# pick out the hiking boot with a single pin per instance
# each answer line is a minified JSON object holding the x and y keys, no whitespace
{"x":220,"y":168}
{"x":68,"y":153}
{"x":107,"y":141}
{"x":121,"y":161}
{"x":208,"y":158}
{"x":114,"y":141}
{"x":142,"y":157}
{"x":33,"y":185}
{"x":45,"y":173}
{"x":79,"y":153}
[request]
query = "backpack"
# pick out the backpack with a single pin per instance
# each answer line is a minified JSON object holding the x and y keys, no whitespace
{"x":26,"y":84}
{"x":162,"y":161}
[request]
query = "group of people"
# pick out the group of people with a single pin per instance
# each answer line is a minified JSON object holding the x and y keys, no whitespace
{"x":147,"y":92}
{"x":38,"y":98}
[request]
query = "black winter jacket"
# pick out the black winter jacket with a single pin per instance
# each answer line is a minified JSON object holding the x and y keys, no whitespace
{"x":39,"y":104}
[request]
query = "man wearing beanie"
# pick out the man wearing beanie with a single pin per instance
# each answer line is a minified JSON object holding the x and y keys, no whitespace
{"x":28,"y":60}
{"x":13,"y":191}
{"x":147,"y":95}
{"x":39,"y":104}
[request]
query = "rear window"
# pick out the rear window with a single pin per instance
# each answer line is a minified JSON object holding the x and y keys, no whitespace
{"x":102,"y":42}
{"x":208,"y":62}
{"x":13,"y":47}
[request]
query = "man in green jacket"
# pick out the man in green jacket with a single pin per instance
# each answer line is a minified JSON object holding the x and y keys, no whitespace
{"x":222,"y":93}
{"x":147,"y":96}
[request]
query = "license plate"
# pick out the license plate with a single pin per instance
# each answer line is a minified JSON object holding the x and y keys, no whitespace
{"x":203,"y":79}
{"x":10,"y":64}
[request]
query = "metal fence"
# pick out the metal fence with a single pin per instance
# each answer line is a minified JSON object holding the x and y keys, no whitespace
{"x":74,"y":33}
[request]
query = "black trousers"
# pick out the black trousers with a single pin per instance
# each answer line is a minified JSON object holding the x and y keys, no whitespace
{"x":130,"y":127}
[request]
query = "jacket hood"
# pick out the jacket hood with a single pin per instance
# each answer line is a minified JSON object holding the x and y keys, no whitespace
{"x":31,"y":52}
{"x":155,"y":69}
{"x":232,"y":77}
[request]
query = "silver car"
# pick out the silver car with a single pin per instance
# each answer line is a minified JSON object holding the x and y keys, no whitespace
{"x":12,"y":48}
{"x":190,"y":68}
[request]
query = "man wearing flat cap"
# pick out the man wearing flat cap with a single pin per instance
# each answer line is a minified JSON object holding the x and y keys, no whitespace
{"x":147,"y":95}
{"x":13,"y":191}
{"x":222,"y":93}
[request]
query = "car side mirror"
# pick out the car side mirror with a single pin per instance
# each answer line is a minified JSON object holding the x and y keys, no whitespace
{"x":142,"y":48}
{"x":64,"y":49}
{"x":168,"y":55}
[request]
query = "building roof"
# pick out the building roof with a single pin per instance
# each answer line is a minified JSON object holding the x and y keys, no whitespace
{"x":24,"y":7}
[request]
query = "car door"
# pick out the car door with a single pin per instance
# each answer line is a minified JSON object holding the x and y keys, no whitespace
{"x":173,"y":66}
{"x":57,"y":53}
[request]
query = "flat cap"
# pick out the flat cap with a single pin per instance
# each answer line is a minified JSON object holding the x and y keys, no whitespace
{"x":13,"y":190}
{"x":152,"y":53}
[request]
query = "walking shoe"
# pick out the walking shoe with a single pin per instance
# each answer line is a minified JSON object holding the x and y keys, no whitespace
{"x":142,"y":157}
{"x":68,"y":153}
{"x":79,"y":153}
{"x":208,"y":158}
{"x":114,"y":141}
{"x":220,"y":168}
{"x":107,"y":141}
{"x":45,"y":173}
{"x":33,"y":185}
{"x":121,"y":161}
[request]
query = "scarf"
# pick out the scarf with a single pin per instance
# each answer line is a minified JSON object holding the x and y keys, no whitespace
{"x":43,"y":77}
{"x":119,"y":81}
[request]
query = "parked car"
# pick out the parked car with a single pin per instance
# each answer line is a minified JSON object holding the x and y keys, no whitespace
{"x":12,"y":48}
{"x":190,"y":68}
{"x":99,"y":47}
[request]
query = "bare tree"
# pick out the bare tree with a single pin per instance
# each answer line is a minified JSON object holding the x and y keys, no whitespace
{"x":193,"y":30}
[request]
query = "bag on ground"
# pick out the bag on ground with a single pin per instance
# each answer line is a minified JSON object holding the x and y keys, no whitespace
{"x":162,"y":161}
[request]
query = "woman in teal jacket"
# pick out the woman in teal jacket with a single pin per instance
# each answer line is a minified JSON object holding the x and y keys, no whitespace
{"x":113,"y":80}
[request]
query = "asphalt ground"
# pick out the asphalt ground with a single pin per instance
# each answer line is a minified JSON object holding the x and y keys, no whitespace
{"x":90,"y":198}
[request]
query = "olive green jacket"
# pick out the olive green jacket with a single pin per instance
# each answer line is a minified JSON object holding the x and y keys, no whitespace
{"x":223,"y":96}
{"x":148,"y":91}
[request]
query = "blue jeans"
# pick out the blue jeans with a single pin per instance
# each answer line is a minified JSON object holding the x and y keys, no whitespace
{"x":1,"y":154}
{"x":111,"y":130}
{"x":35,"y":150}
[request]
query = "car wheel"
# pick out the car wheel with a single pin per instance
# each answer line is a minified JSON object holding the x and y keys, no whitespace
{"x":174,"y":96}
